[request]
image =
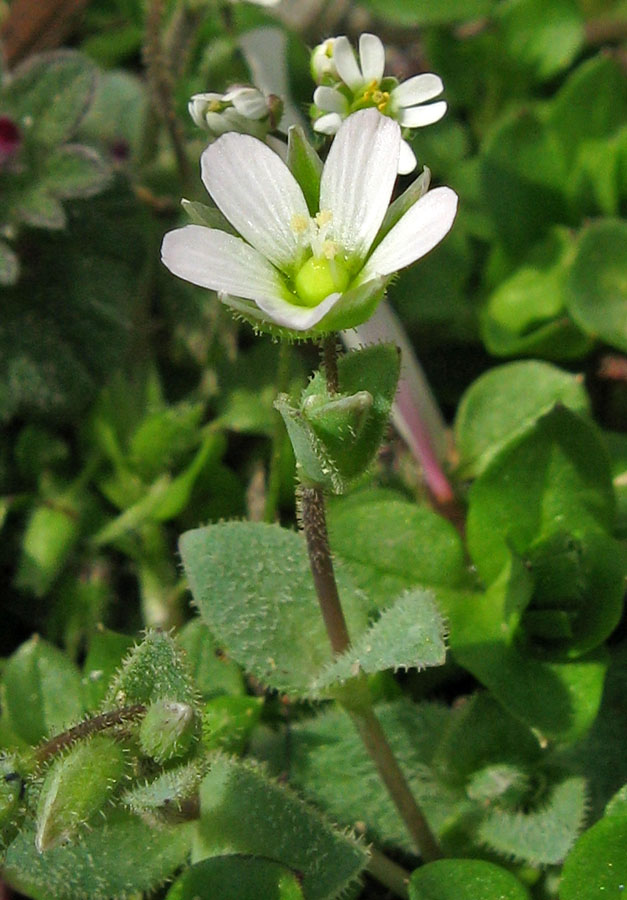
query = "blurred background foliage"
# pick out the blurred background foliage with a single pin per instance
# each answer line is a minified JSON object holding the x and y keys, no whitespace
{"x":134,"y":408}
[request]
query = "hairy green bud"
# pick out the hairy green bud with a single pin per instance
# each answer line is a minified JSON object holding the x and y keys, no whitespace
{"x":76,"y":786}
{"x":167,"y":730}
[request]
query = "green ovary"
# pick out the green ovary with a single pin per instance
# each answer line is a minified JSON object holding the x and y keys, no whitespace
{"x":319,"y":277}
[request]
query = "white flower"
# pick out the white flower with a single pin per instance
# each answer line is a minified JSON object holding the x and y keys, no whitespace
{"x":361,"y":84}
{"x":322,"y":63}
{"x":303,"y":273}
{"x":241,"y":108}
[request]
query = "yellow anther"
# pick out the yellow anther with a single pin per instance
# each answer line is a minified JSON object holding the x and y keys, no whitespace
{"x":329,"y":249}
{"x":215,"y":106}
{"x":323,"y":217}
{"x":299,"y":224}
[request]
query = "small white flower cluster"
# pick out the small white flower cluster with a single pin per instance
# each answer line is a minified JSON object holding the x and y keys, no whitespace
{"x":346,"y":85}
{"x":243,"y":109}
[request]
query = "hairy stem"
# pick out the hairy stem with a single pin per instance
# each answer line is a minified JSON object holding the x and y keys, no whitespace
{"x":112,"y":719}
{"x":278,"y":438}
{"x":389,"y":873}
{"x":160,"y":83}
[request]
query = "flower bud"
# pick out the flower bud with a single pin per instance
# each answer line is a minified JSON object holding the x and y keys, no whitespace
{"x":76,"y":786}
{"x":242,"y":109}
{"x":167,"y":730}
{"x":322,"y":64}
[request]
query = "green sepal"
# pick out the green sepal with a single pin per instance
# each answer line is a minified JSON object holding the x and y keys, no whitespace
{"x":209,"y":216}
{"x":305,"y":165}
{"x":167,"y":730}
{"x":165,"y":798}
{"x":75,"y":788}
{"x":153,"y":670}
{"x":336,"y":436}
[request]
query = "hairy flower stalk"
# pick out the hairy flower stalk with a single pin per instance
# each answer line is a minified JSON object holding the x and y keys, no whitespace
{"x":296,"y":272}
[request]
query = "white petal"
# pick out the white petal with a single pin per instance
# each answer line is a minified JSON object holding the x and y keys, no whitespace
{"x":346,"y":64}
{"x":419,"y":116}
{"x":371,"y":57}
{"x":418,"y":231}
{"x":407,"y":161}
{"x":330,"y":100}
{"x":257,"y":193}
{"x":418,"y":89}
{"x":298,"y":318}
{"x":358,"y":179}
{"x":329,"y":124}
{"x":250,"y":103}
{"x":219,"y":261}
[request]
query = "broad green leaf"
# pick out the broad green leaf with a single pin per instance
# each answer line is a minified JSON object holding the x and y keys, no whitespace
{"x":555,"y":478}
{"x":116,"y":117}
{"x":37,"y":206}
{"x":9,"y":265}
{"x":465,"y":879}
{"x":596,"y":290}
{"x":532,"y":296}
{"x":243,"y":811}
{"x":75,"y":171}
{"x":591,"y":105}
{"x":546,"y":44}
{"x":617,"y":805}
{"x":542,"y":835}
{"x":53,"y":91}
{"x":238,"y":878}
{"x":389,"y":544}
{"x":305,"y":165}
{"x":504,"y":402}
{"x":408,"y":634}
{"x":213,"y":672}
{"x":523,"y":175}
{"x":558,"y":699}
{"x":408,"y":13}
{"x":52,"y":531}
{"x":330,"y":763}
{"x":153,"y":670}
{"x":42,"y":691}
{"x":117,"y":857}
{"x":597,"y":864}
{"x":253,"y":587}
{"x":557,"y":339}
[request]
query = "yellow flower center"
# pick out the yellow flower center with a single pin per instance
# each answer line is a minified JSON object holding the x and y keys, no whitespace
{"x":324,"y":272}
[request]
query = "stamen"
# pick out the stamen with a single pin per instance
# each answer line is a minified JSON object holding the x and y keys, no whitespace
{"x":299,"y":224}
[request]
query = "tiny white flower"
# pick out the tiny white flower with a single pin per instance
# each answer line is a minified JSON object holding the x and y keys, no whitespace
{"x":300,"y":272}
{"x":322,"y":63}
{"x":243,"y":109}
{"x":361,"y":84}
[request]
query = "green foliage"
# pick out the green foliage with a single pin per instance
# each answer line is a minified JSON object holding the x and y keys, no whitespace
{"x":465,"y":879}
{"x":42,"y":690}
{"x":504,"y":402}
{"x":306,"y":167}
{"x":115,"y":858}
{"x":389,"y":544}
{"x":262,"y":607}
{"x":243,"y":811}
{"x":597,"y":861}
{"x":153,"y":670}
{"x":244,"y":877}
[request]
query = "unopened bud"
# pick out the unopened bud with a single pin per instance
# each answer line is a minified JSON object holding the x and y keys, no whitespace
{"x":76,"y":786}
{"x":167,"y":730}
{"x":322,"y":64}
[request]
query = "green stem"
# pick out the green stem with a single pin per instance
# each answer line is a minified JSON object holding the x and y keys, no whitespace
{"x":278,"y":438}
{"x":112,"y":719}
{"x":160,"y":83}
{"x":355,"y":695}
{"x":388,"y":873}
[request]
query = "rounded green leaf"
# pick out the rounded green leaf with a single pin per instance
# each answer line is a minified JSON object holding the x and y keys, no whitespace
{"x":42,"y":690}
{"x":423,"y":12}
{"x":555,"y":478}
{"x":504,"y":402}
{"x":546,"y":44}
{"x":238,"y":878}
{"x":596,"y":290}
{"x":465,"y":879}
{"x":597,"y":864}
